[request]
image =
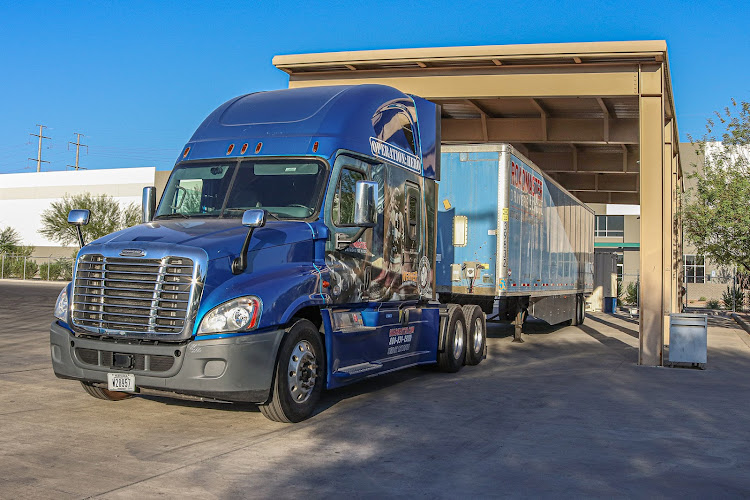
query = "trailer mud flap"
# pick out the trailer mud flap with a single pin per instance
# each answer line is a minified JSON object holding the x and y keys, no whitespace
{"x":443,"y":329}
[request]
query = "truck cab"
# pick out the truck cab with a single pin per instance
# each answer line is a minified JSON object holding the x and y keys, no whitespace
{"x":293,"y":249}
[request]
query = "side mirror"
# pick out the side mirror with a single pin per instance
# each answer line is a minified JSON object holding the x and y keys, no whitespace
{"x":148,"y":204}
{"x":252,"y":219}
{"x":79,"y":218}
{"x":366,"y":204}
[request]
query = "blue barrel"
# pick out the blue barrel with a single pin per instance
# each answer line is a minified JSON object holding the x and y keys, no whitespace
{"x":610,"y":304}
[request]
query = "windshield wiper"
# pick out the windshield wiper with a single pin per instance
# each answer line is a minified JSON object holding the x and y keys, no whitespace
{"x":171,"y":216}
{"x":243,"y":210}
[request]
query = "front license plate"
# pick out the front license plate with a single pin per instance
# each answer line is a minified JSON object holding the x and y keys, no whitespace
{"x":122,"y":382}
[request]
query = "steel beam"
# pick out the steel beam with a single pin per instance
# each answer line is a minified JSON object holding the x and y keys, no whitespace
{"x":541,"y":129}
{"x":559,"y":81}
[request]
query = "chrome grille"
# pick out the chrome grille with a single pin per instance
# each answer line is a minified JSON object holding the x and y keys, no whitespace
{"x":132,"y":295}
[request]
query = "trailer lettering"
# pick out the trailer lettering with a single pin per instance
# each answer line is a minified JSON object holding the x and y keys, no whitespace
{"x":525,"y":180}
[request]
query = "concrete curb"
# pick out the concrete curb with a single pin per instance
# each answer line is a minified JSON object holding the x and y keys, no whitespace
{"x":33,"y":281}
{"x":742,"y":322}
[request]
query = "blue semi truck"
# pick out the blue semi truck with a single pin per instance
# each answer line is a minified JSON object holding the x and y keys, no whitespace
{"x":295,"y":248}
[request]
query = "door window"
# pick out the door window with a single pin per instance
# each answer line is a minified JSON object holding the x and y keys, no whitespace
{"x":343,"y":200}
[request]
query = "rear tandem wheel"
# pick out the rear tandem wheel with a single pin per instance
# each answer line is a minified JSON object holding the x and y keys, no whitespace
{"x":452,"y":358}
{"x":476,"y":324}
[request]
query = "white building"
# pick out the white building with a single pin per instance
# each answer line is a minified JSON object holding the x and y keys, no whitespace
{"x":23,"y":197}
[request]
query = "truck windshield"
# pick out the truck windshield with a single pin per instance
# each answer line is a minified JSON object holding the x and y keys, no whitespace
{"x":288,"y":189}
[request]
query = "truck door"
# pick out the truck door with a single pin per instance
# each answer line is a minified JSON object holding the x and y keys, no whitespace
{"x":347,"y":259}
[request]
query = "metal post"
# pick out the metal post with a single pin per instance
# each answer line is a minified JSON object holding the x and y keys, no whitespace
{"x":2,"y":268}
{"x":24,"y":267}
{"x":49,"y":264}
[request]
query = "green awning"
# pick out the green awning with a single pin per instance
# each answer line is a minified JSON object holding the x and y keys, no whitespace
{"x":617,"y":245}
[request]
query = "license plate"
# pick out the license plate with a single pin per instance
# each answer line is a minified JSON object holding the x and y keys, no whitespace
{"x":122,"y":382}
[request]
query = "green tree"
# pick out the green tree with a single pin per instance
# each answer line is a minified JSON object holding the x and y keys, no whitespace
{"x":716,"y":210}
{"x":107,"y":216}
{"x":9,"y":240}
{"x":131,"y":215}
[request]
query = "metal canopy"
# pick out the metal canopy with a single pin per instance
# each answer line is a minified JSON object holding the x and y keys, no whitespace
{"x":598,"y":117}
{"x":572,"y":108}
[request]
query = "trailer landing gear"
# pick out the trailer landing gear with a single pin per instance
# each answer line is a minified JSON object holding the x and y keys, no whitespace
{"x":518,"y":325}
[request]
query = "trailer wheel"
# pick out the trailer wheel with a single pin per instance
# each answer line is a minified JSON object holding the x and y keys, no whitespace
{"x":298,"y":378}
{"x":476,"y":323}
{"x":576,"y":313}
{"x":452,"y":358}
{"x":101,"y":393}
{"x":581,"y":310}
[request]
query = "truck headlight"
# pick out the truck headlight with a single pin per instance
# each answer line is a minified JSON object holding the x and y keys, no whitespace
{"x":240,"y":314}
{"x":61,"y":306}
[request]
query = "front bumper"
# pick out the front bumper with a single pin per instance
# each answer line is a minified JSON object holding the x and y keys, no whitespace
{"x":230,"y":369}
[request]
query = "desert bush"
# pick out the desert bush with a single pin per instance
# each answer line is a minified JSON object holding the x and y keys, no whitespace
{"x":631,"y":292}
{"x":733,"y":298}
{"x":50,"y":270}
{"x":14,"y":267}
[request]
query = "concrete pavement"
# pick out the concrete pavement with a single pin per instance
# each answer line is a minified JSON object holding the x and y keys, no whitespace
{"x":566,"y":414}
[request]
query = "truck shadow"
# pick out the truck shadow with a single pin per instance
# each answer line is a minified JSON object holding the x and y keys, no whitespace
{"x":503,"y":329}
{"x":206,"y":404}
{"x":330,"y":398}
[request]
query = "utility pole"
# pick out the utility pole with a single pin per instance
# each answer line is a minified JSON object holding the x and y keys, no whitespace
{"x":38,"y":158}
{"x":78,"y":147}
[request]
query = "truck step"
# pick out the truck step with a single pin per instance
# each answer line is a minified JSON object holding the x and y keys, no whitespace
{"x":358,"y":369}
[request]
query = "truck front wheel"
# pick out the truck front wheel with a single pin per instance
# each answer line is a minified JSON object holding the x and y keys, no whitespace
{"x":299,"y":376}
{"x":100,"y":393}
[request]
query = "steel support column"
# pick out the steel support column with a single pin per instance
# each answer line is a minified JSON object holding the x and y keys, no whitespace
{"x":651,"y":130}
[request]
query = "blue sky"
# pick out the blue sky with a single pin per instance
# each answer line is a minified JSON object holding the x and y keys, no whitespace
{"x":136,"y":77}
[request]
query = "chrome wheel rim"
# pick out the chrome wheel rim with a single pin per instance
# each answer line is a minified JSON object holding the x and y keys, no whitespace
{"x":478,"y":335}
{"x":302,"y":371}
{"x":458,"y":341}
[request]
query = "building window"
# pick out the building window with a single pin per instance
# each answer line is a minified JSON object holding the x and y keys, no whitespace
{"x":695,"y":269}
{"x":620,"y":266}
{"x":610,"y":226}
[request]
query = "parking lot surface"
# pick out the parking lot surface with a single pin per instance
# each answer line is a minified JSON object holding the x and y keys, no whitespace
{"x":568,"y":413}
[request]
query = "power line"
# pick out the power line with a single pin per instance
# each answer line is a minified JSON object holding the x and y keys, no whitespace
{"x":38,"y":158}
{"x":78,"y":148}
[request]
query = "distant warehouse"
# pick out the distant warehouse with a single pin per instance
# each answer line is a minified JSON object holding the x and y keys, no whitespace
{"x":23,"y":197}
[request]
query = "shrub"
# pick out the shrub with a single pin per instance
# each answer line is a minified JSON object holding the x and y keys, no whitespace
{"x":631,"y":292}
{"x":14,"y":267}
{"x":50,"y":271}
{"x":733,"y":297}
{"x":712,"y":304}
{"x":702,"y":299}
{"x":66,"y":268}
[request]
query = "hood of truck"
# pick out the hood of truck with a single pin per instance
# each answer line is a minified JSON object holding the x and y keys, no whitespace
{"x":217,"y":237}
